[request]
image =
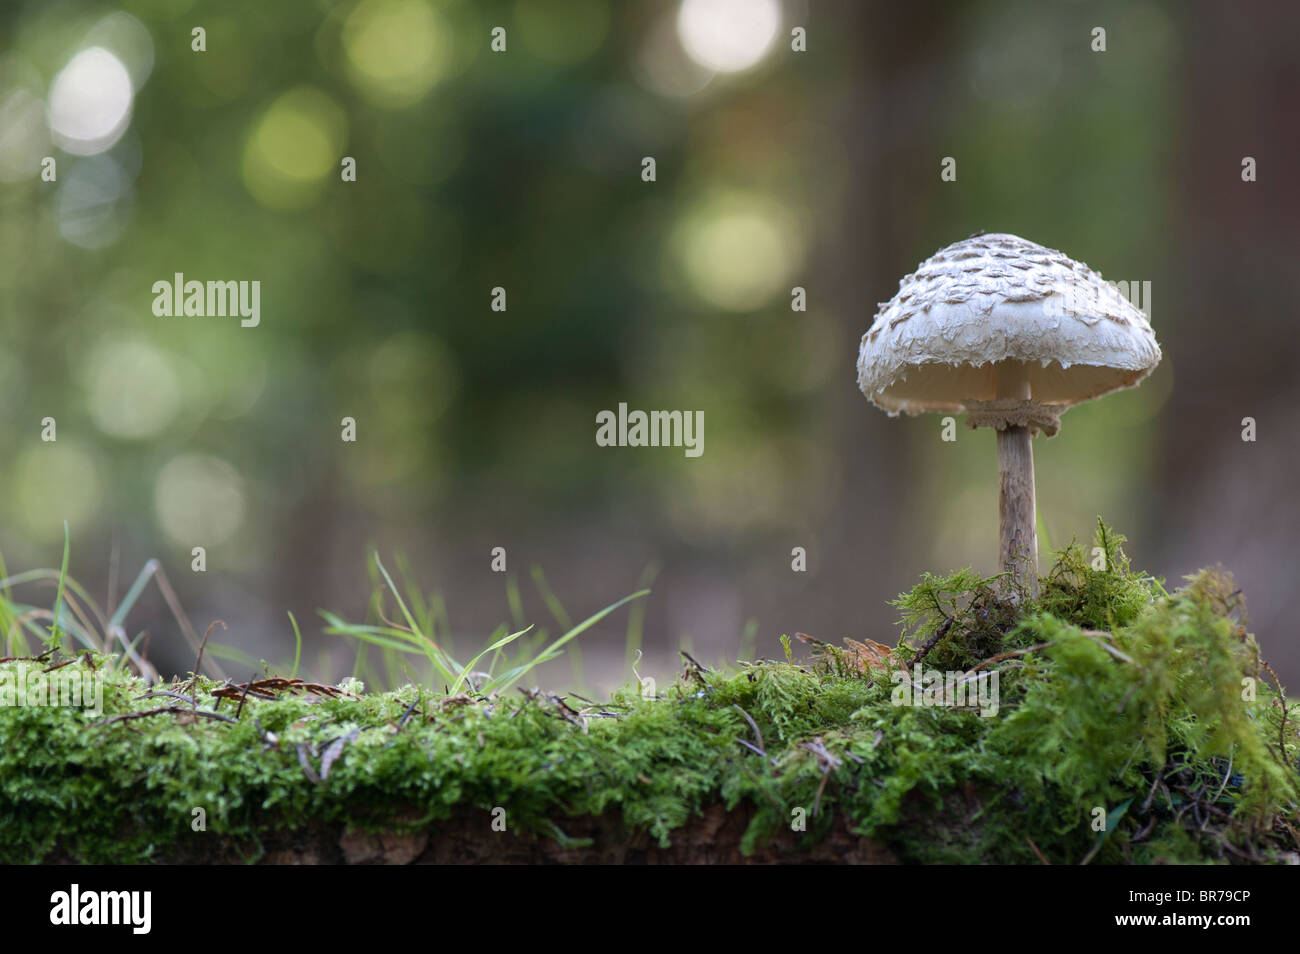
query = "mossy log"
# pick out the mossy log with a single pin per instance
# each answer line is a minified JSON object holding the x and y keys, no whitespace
{"x":1127,"y":724}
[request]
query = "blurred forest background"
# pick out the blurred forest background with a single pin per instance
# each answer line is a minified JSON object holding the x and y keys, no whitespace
{"x":475,"y":428}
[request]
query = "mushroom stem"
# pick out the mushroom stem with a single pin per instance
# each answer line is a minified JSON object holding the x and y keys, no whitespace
{"x":1017,"y":535}
{"x":1017,"y":529}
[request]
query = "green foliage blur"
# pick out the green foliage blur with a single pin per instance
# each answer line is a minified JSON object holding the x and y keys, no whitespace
{"x":523,"y":170}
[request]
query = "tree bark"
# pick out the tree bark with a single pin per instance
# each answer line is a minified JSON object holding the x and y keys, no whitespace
{"x":713,"y":836}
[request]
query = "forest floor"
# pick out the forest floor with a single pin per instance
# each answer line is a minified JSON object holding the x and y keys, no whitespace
{"x":1107,"y":721}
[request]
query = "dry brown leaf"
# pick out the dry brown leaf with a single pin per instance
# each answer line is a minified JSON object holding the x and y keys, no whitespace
{"x":863,"y":656}
{"x":871,"y":654}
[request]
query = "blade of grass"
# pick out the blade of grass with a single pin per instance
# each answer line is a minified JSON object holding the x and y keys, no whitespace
{"x":514,"y":600}
{"x":230,"y":654}
{"x":440,"y":626}
{"x":1043,"y":535}
{"x":445,"y":665}
{"x":377,"y":635}
{"x":496,"y":657}
{"x":551,"y":650}
{"x":469,"y":666}
{"x":557,"y":610}
{"x":58,"y":600}
{"x":70,"y":586}
{"x":392,"y":665}
{"x":153,"y":569}
{"x":747,"y":639}
{"x":550,"y":599}
{"x":7,"y":612}
{"x":30,"y":614}
{"x":297,"y":647}
{"x":636,"y":617}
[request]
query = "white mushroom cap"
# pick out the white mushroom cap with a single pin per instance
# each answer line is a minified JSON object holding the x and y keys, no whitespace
{"x":995,"y":321}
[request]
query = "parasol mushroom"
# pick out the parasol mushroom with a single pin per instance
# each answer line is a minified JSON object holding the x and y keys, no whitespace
{"x":1012,"y":334}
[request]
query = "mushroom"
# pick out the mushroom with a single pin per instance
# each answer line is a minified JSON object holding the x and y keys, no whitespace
{"x":1013,"y":334}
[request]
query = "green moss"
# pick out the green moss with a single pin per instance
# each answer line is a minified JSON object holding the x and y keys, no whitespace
{"x":1101,"y":592}
{"x":1116,"y":700}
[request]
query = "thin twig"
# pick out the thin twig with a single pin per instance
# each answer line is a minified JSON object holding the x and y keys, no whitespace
{"x":204,"y":645}
{"x":1226,"y":776}
{"x":41,"y":658}
{"x":1036,"y":851}
{"x":753,"y":725}
{"x":1110,"y":649}
{"x":762,"y":788}
{"x":173,"y":695}
{"x":694,"y":662}
{"x":1281,"y":694}
{"x":174,"y":604}
{"x":1151,"y":794}
{"x":827,"y":762}
{"x":817,"y":802}
{"x":1146,"y":830}
{"x":409,"y":709}
{"x":752,"y":747}
{"x":1008,"y":655}
{"x":933,"y":641}
{"x":239,"y":710}
{"x":176,"y":710}
{"x":379,"y":611}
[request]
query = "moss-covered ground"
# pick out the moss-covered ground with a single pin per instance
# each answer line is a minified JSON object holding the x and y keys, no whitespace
{"x":1132,"y":725}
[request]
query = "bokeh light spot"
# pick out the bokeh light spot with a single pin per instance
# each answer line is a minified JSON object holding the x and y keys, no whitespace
{"x":199,"y":500}
{"x":132,"y":388}
{"x":727,"y":35}
{"x":24,"y":139}
{"x":94,"y":202}
{"x":396,"y":50}
{"x":661,"y":65}
{"x":90,"y":102}
{"x":295,"y":145}
{"x":129,"y":41}
{"x":737,"y":253}
{"x":54,"y":482}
